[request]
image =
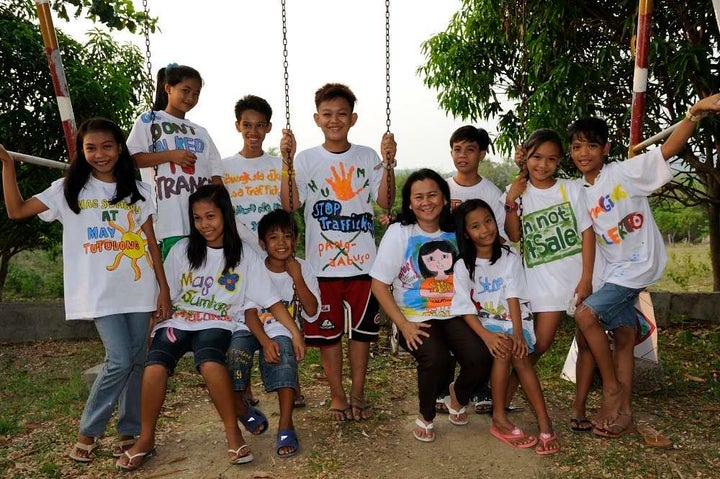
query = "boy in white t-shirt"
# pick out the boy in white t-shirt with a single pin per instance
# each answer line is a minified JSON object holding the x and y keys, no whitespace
{"x":252,"y":176}
{"x":633,"y":252}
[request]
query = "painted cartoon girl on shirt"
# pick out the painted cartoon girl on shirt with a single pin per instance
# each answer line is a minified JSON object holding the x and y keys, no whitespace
{"x":436,"y":259}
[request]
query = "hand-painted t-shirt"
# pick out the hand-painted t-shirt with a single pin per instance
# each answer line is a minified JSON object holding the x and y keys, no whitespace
{"x":419,"y":266}
{"x":627,"y":236}
{"x":487,"y":293}
{"x":338,"y":190}
{"x":206,"y":298}
{"x":283,"y":285}
{"x":487,"y":191}
{"x":254,"y":186}
{"x":174,"y":184}
{"x":106,"y":263}
{"x":552,"y":224}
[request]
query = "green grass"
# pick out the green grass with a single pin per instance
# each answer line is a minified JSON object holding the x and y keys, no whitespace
{"x":688,"y":269}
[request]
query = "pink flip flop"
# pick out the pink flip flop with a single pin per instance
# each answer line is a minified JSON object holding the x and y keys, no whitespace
{"x":515,"y":438}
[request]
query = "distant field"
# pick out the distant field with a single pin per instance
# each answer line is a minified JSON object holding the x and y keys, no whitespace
{"x":688,"y":269}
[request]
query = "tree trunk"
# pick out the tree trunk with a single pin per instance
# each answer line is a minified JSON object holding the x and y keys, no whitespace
{"x":714,"y":228}
{"x":4,"y":265}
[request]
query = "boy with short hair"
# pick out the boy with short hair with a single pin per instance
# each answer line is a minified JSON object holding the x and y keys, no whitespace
{"x":634,"y":255}
{"x":294,"y":280}
{"x":252,"y":176}
{"x":338,"y":181}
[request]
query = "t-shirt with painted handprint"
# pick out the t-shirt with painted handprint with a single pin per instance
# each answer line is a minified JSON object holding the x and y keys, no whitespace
{"x":205,"y":297}
{"x":106,"y":264}
{"x":174,"y":184}
{"x":338,"y":190}
{"x":553,"y":221}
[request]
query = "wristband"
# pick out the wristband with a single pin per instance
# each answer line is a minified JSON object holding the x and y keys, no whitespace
{"x":511,"y":207}
{"x":692,"y":117}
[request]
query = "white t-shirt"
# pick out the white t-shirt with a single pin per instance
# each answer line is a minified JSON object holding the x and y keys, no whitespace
{"x":106,"y":264}
{"x":338,"y":190}
{"x":627,"y":236}
{"x":487,"y":191}
{"x":553,"y":221}
{"x":487,"y":293}
{"x":174,"y":184}
{"x":419,"y":266}
{"x":283,"y":285}
{"x":254,"y":186}
{"x":206,"y":298}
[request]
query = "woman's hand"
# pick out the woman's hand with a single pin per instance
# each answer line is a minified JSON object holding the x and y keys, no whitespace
{"x":413,"y":333}
{"x":499,"y":344}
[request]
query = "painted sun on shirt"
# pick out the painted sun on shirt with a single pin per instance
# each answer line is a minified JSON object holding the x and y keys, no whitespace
{"x":131,"y":236}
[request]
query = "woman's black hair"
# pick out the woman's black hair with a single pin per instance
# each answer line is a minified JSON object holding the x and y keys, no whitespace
{"x":407,"y":216}
{"x":427,"y":248}
{"x":80,"y":170}
{"x":232,"y":245}
{"x":467,"y":248}
{"x":171,"y":75}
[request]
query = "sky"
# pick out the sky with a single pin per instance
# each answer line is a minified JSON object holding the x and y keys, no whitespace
{"x":237,"y":48}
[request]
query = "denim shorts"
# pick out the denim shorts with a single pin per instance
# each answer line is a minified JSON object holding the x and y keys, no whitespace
{"x":614,"y":305}
{"x":169,"y":344}
{"x":274,"y":375}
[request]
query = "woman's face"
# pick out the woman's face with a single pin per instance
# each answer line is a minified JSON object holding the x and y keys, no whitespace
{"x":427,"y":202}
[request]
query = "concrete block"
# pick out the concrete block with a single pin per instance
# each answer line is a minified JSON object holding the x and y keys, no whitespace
{"x":648,"y":377}
{"x":39,"y":321}
{"x":89,"y":375}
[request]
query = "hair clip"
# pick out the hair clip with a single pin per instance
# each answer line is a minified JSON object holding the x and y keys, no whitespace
{"x":170,"y":66}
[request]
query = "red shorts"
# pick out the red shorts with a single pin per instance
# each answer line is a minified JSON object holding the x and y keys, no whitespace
{"x":347,"y":305}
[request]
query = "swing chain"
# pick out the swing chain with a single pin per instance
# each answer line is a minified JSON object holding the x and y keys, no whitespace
{"x":148,"y":62}
{"x":387,"y":64}
{"x":285,"y":66}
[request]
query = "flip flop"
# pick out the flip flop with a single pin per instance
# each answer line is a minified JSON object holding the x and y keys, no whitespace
{"x":361,"y":405}
{"x":286,"y":438}
{"x":580,"y":424}
{"x":440,"y":406}
{"x":615,"y":430}
{"x":336,"y":412}
{"x":653,"y":437}
{"x":130,"y":466}
{"x":514,"y":438}
{"x":89,"y":448}
{"x":255,"y":421}
{"x":452,"y":412}
{"x":299,"y":401}
{"x":542,"y":446}
{"x":429,"y":429}
{"x":121,"y":446}
{"x":241,"y":459}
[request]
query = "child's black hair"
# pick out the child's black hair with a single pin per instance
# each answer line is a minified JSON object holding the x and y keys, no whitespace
{"x":468,"y":252}
{"x":427,"y":248}
{"x":252,"y":102}
{"x":277,"y":220}
{"x":538,"y":137}
{"x":232,"y":245}
{"x":171,"y":75}
{"x":80,"y":170}
{"x":472,"y":135}
{"x":330,"y":91}
{"x":407,"y":216}
{"x":591,"y":129}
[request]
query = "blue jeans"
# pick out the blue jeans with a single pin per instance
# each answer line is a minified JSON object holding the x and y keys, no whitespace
{"x":124,"y":337}
{"x":275,"y":375}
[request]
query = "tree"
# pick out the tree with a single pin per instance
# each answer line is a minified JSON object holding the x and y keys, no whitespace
{"x":564,"y":59}
{"x":105,"y":78}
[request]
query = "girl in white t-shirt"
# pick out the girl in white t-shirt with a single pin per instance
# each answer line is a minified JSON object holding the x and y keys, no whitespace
{"x":555,"y":234}
{"x":211,"y":276}
{"x":111,"y":269}
{"x":490,"y":294}
{"x":419,"y":301}
{"x":173,"y":153}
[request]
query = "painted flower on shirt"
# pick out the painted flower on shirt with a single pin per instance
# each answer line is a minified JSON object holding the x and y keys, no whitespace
{"x":229,"y":280}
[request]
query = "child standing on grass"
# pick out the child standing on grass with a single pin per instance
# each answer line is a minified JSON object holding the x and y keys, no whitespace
{"x":279,"y":340}
{"x":111,"y":269}
{"x":490,"y":293}
{"x":634,"y":256}
{"x":558,"y":243}
{"x":174,"y":154}
{"x":338,"y":182}
{"x":210,"y":276}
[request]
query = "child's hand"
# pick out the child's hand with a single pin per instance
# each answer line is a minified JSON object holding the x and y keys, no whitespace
{"x":386,"y":220}
{"x":164,"y":305}
{"x":517,"y":188}
{"x":4,"y":155}
{"x":706,"y":105}
{"x":271,"y":352}
{"x":413,"y":333}
{"x":388,"y":147}
{"x":293,"y":268}
{"x":520,"y":347}
{"x":499,"y":344}
{"x":183,"y":158}
{"x":583,"y":290}
{"x":299,"y":346}
{"x":287,"y":145}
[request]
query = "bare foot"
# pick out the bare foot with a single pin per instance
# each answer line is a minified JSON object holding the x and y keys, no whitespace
{"x":609,"y":408}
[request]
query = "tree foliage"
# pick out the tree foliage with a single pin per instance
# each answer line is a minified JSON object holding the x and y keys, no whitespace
{"x":105,"y":79}
{"x":564,"y":59}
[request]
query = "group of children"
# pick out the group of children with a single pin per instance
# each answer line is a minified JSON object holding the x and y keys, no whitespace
{"x":444,"y":274}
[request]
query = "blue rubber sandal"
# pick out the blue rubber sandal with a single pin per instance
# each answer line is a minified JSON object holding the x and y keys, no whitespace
{"x":254,"y":421}
{"x":286,"y":438}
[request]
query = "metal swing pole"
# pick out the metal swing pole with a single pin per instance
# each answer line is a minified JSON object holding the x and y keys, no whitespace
{"x":642,"y":55}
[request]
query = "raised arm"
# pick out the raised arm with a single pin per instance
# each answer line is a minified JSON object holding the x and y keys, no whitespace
{"x":17,"y":207}
{"x":686,"y":128}
{"x":388,"y":149}
{"x":287,"y":182}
